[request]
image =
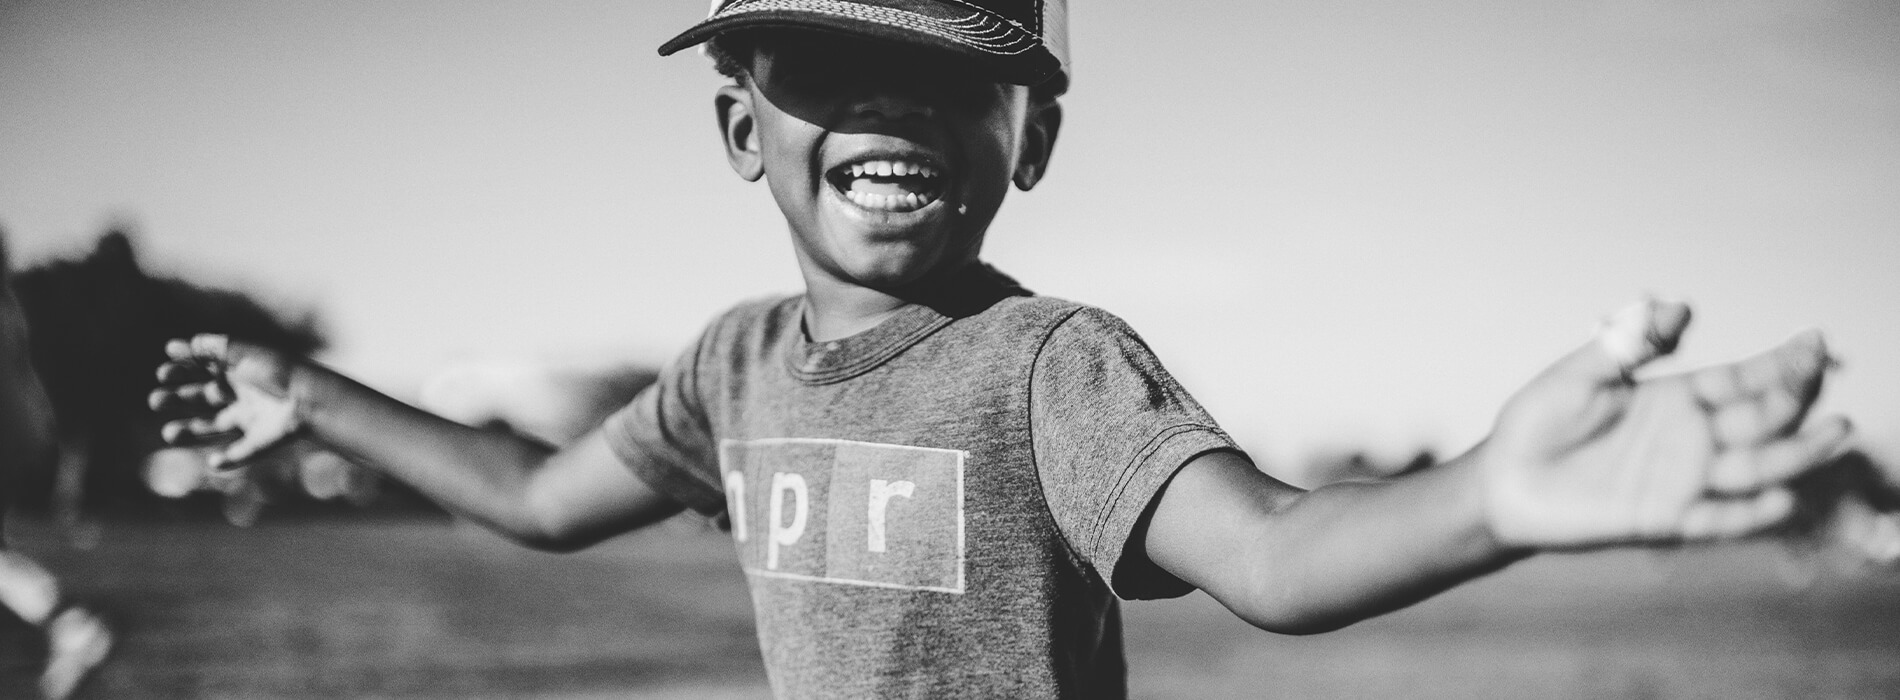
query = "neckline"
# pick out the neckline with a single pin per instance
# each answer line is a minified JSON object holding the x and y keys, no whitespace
{"x":833,"y":361}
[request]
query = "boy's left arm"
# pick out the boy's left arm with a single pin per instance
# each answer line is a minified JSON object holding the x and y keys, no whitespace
{"x":1584,"y":456}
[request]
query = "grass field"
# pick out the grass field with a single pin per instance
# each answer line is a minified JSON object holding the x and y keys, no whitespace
{"x":416,"y":608}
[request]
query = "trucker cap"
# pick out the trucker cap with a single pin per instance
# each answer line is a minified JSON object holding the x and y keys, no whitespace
{"x":1025,"y":42}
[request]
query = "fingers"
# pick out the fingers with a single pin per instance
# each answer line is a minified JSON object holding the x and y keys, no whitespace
{"x":1757,"y":420}
{"x":231,"y":445}
{"x":1751,"y":468}
{"x":183,"y":371}
{"x":243,"y":449}
{"x":191,"y":380}
{"x":1728,"y":518}
{"x":1794,"y":368}
{"x":1631,"y":338}
{"x":194,"y":432}
{"x":213,"y":347}
{"x":198,"y":398}
{"x":1764,"y":397}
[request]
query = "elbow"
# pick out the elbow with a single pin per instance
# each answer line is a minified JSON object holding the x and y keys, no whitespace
{"x":1279,"y":615}
{"x":542,"y":521}
{"x":1282,"y":607}
{"x":529,"y":533}
{"x":542,"y":542}
{"x":555,"y":536}
{"x":1296,"y":624}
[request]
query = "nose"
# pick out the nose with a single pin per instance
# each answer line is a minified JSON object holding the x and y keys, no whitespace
{"x":892,"y":103}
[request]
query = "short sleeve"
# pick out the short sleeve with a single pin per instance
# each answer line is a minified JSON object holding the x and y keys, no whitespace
{"x":664,"y":437}
{"x":1110,"y":426}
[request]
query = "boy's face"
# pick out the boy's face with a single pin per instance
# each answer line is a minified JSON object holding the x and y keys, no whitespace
{"x":888,"y":163}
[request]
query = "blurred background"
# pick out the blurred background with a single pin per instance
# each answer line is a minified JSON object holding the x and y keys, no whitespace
{"x":1350,"y":230}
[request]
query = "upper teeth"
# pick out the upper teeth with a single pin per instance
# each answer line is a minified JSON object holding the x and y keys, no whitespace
{"x":888,"y":168}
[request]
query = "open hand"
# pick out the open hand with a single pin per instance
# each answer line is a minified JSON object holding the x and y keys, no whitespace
{"x":233,"y":395}
{"x":1587,"y":455}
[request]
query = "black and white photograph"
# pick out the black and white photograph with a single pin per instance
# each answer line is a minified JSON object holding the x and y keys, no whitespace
{"x":827,"y":349}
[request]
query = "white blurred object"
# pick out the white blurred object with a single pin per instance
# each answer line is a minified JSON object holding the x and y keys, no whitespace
{"x":175,"y":472}
{"x":27,"y":588}
{"x":244,"y":503}
{"x":76,"y":642}
{"x":328,"y":476}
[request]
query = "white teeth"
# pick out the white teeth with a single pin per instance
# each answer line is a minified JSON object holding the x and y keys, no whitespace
{"x":888,"y":168}
{"x":909,"y":201}
{"x":883,"y":197}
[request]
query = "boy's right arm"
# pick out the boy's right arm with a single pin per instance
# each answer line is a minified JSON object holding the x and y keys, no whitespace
{"x":545,"y":498}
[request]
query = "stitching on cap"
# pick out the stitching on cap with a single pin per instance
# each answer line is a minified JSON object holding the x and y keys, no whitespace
{"x":981,"y":24}
{"x":979,"y":31}
{"x":1037,"y":31}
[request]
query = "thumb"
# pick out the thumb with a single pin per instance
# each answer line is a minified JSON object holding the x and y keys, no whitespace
{"x":1629,"y":339}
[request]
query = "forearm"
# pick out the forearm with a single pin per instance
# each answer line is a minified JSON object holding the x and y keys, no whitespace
{"x":1353,"y":550}
{"x":1315,"y":561}
{"x":486,"y":476}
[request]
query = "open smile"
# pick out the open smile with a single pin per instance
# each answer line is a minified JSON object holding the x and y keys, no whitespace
{"x":893,"y":184}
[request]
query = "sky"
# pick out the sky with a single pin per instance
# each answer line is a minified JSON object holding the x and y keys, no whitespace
{"x":1343,"y":226}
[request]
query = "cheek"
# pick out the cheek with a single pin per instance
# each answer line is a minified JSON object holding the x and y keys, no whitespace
{"x":992,"y":162}
{"x":995,"y":142}
{"x":789,"y":155}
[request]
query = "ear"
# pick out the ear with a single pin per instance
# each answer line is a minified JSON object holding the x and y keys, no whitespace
{"x":739,"y":131}
{"x":1039,"y":142}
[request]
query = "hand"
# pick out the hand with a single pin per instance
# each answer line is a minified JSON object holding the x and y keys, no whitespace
{"x":1586,"y":455}
{"x":231,"y":393}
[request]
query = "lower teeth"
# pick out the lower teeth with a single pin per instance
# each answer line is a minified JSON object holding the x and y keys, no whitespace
{"x":894,"y":202}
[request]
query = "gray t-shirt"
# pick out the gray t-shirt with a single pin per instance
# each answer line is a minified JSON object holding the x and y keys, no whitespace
{"x":936,"y":507}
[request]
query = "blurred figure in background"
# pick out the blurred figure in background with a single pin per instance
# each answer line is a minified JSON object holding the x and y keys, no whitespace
{"x":76,"y":640}
{"x":97,"y":320}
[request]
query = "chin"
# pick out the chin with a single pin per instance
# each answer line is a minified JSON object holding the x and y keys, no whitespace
{"x":894,"y":269}
{"x":888,"y":278}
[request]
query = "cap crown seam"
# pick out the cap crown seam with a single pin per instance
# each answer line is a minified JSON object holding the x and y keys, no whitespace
{"x":981,"y":30}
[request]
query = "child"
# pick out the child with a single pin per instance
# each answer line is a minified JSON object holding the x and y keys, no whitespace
{"x":76,"y":640}
{"x":938,"y":482}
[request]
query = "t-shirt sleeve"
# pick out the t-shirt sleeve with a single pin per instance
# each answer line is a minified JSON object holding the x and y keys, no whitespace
{"x":1110,"y":426}
{"x":665,"y":438}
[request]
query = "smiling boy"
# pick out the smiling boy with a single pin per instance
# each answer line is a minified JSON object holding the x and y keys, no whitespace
{"x":939,"y":483}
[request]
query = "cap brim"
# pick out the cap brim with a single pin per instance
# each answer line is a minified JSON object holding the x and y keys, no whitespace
{"x":1001,"y":48}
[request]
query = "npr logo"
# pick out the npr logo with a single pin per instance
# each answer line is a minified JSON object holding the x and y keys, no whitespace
{"x":849,"y":512}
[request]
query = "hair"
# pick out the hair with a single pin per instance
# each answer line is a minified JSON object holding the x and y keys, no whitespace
{"x":731,"y":55}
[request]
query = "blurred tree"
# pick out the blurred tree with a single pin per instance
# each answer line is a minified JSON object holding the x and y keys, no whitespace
{"x":99,"y":328}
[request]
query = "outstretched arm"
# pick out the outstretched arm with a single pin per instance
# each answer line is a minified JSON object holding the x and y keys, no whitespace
{"x":1584,"y":456}
{"x":248,"y":398}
